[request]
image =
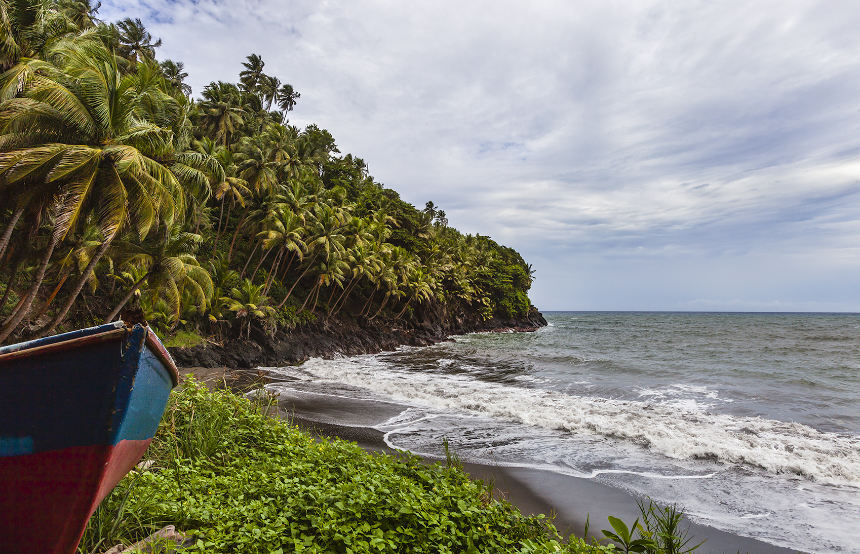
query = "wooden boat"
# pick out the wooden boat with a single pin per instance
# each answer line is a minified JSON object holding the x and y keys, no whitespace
{"x":77,"y":412}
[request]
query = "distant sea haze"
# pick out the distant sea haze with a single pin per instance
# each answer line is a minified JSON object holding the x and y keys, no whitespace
{"x":750,"y":421}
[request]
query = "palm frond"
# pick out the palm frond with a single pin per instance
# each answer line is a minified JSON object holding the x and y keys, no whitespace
{"x":23,"y":164}
{"x":166,"y":188}
{"x":30,"y":117}
{"x":142,"y":206}
{"x":65,"y":102}
{"x":148,"y":137}
{"x":193,"y":179}
{"x":72,"y":201}
{"x":74,"y":157}
{"x":113,"y":209}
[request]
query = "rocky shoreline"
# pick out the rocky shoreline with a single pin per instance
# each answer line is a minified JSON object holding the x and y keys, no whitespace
{"x":341,"y":337}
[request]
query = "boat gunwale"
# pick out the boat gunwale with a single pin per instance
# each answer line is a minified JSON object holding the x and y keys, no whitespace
{"x":151,"y":340}
{"x":160,"y":352}
{"x":63,"y":345}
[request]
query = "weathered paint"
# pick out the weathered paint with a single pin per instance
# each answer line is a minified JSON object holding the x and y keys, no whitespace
{"x":76,"y":414}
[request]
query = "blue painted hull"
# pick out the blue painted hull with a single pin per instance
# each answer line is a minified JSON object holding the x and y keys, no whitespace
{"x":76,"y":413}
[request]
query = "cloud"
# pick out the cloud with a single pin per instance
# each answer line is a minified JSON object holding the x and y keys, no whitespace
{"x":605,"y":141}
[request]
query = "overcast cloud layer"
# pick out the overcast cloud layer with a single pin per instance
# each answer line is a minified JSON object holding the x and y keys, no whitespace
{"x":641,"y":155}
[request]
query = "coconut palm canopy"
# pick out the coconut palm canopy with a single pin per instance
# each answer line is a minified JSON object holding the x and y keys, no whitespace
{"x":116,"y":188}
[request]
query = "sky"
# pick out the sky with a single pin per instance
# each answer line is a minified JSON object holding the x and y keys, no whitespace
{"x":647,"y":155}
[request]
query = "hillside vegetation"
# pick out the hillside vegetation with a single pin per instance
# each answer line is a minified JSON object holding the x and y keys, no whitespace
{"x":120,"y":192}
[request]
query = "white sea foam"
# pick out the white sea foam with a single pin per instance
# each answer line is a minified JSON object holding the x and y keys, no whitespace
{"x":676,"y":429}
{"x":682,"y":391}
{"x":405,"y":425}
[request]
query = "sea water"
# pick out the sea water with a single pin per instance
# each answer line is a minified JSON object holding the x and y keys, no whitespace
{"x":750,"y":422}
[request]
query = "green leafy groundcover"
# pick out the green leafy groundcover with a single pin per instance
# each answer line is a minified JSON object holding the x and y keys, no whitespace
{"x":240,"y":481}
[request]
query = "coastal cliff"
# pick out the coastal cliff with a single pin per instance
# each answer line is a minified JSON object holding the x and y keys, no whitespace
{"x":344,"y":337}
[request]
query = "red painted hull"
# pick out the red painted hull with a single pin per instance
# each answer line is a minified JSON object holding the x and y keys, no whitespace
{"x":77,"y":412}
{"x":63,"y":487}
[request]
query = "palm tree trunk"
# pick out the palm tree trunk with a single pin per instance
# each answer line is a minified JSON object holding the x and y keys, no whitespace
{"x":218,"y":234}
{"x":251,"y":255}
{"x":296,"y":282}
{"x":260,"y":263}
{"x":7,"y":233}
{"x":342,"y":300}
{"x":236,"y":234}
{"x":287,"y":269}
{"x":10,"y":283}
{"x":125,"y":299}
{"x":313,"y":290}
{"x":399,"y":315}
{"x":331,"y":297}
{"x":367,"y":304}
{"x":79,"y":285}
{"x":12,"y":323}
{"x":274,"y":270}
{"x":17,"y":307}
{"x":384,"y":302}
{"x":317,"y":297}
{"x":344,"y":293}
{"x":47,"y":303}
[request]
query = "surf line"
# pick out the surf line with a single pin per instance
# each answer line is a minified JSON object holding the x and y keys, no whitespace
{"x":650,"y":475}
{"x":386,"y":438}
{"x":398,"y":425}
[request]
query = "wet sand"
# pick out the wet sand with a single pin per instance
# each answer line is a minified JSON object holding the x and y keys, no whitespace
{"x":570,"y":499}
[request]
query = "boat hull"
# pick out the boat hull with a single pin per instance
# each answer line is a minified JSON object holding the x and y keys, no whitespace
{"x":75,"y":416}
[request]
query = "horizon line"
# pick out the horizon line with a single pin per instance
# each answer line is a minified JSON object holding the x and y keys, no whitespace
{"x":703,"y":311}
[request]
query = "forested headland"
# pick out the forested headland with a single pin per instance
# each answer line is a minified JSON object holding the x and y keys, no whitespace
{"x":212,"y":214}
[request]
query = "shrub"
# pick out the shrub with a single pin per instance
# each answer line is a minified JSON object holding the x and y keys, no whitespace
{"x":243,"y":482}
{"x":183,"y":339}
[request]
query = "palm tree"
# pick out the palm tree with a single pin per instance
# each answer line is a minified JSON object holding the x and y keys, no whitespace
{"x":224,"y":279}
{"x":261,"y":208}
{"x":422,"y":285}
{"x":328,"y":246}
{"x":135,"y":42}
{"x":196,"y":172}
{"x":287,"y":97}
{"x":57,"y":213}
{"x":17,"y":212}
{"x":284,"y":234}
{"x":268,"y":90}
{"x":78,"y":256}
{"x":366,"y":264}
{"x":222,"y":111}
{"x":174,"y":73}
{"x":249,"y":302}
{"x":18,"y":33}
{"x":81,"y":13}
{"x":258,"y":161}
{"x":171,"y":269}
{"x":394,"y":276}
{"x":77,"y":135}
{"x":230,"y":188}
{"x":253,"y":72}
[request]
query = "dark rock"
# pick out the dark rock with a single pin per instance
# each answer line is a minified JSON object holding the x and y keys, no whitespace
{"x":344,"y":337}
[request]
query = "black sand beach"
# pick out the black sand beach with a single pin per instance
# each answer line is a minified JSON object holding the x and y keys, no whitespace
{"x":570,"y":499}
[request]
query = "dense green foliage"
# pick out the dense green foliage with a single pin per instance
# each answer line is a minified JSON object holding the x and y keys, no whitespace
{"x":118,"y":190}
{"x":242,"y":482}
{"x":239,"y":481}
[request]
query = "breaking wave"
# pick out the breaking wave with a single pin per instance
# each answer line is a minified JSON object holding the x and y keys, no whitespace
{"x":684,"y":431}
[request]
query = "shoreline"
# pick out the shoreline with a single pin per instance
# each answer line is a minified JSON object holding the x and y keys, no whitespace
{"x":570,"y":499}
{"x":341,"y":337}
{"x":534,"y":491}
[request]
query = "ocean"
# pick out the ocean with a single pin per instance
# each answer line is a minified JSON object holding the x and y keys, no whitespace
{"x":749,"y":421}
